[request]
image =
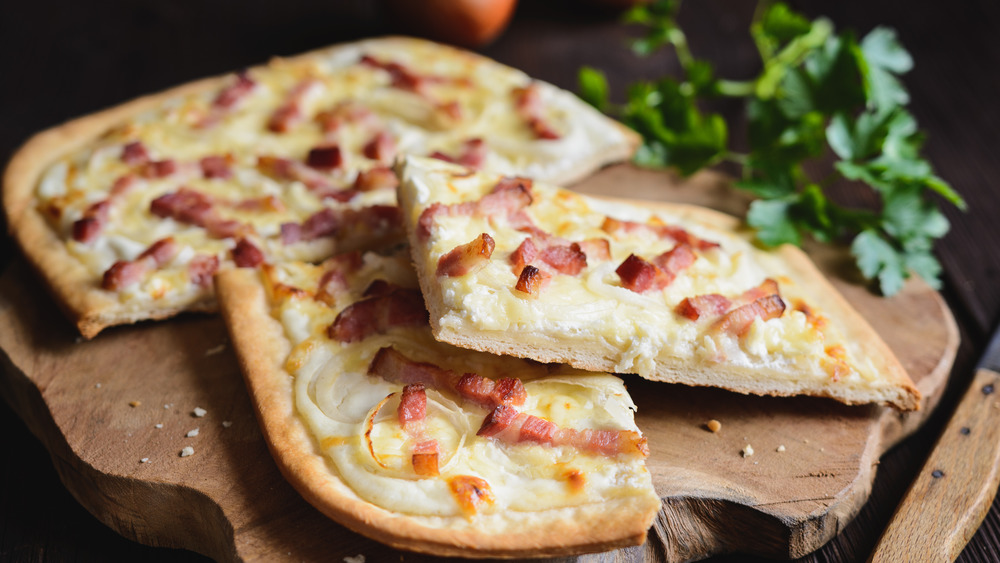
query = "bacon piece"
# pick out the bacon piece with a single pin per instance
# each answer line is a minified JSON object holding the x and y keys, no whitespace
{"x":473,"y":154}
{"x":124,"y":273}
{"x":466,"y":258}
{"x":531,"y":280}
{"x":376,"y":315}
{"x":766,"y":287}
{"x":122,"y":185}
{"x":377,"y":178}
{"x":135,"y":154}
{"x":675,"y":260}
{"x":596,"y":248}
{"x":488,"y":393}
{"x":394,"y":366}
{"x":382,"y":147}
{"x":325,"y":157}
{"x":267,"y":204}
{"x":320,"y":224}
{"x":247,"y":255}
{"x":567,"y":259}
{"x":201,"y":268}
{"x":425,"y":458}
{"x":90,"y":225}
{"x":216,"y":167}
{"x":678,"y":234}
{"x":705,"y":305}
{"x":470,"y":492}
{"x":334,"y":279}
{"x":159,"y":168}
{"x":412,"y":407}
{"x":400,"y":76}
{"x":236,"y":91}
{"x":507,"y":197}
{"x":529,"y":106}
{"x":350,"y":111}
{"x":289,"y":114}
{"x":195,"y":208}
{"x":738,"y":321}
{"x":525,"y":253}
{"x":287,"y":169}
{"x":637,"y":274}
{"x":508,"y":425}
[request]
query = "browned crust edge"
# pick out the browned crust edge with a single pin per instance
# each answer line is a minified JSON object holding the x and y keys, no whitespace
{"x":900,"y":391}
{"x":262,"y":347}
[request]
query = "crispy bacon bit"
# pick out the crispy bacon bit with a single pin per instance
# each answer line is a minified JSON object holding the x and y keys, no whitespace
{"x":289,"y":114}
{"x":382,"y":147}
{"x":637,"y":274}
{"x":470,"y":493}
{"x":614,"y":226}
{"x":509,"y":196}
{"x":247,"y":255}
{"x":394,"y":366}
{"x":766,"y":287}
{"x":376,"y":178}
{"x":376,"y":315}
{"x":285,"y":169}
{"x":135,"y":154}
{"x":201,"y":268}
{"x":640,"y":276}
{"x":596,"y":248}
{"x":343,"y":113}
{"x":473,"y":154}
{"x":488,"y":393}
{"x":122,"y":185}
{"x":267,"y":203}
{"x":508,"y":425}
{"x":325,"y":157}
{"x":400,"y":76}
{"x":565,"y":259}
{"x":705,"y":305}
{"x":195,"y":208}
{"x":159,"y":168}
{"x":531,"y":280}
{"x":234,"y":92}
{"x":466,"y":258}
{"x":675,"y":260}
{"x":412,"y":407}
{"x":425,"y":458}
{"x":525,"y":253}
{"x":94,"y":217}
{"x":216,"y":167}
{"x":124,"y":273}
{"x":529,"y":106}
{"x":739,"y":320}
{"x":575,"y":479}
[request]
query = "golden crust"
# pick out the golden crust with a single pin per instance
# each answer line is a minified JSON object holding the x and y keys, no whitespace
{"x":894,"y":387}
{"x":88,"y":306}
{"x":262,"y":347}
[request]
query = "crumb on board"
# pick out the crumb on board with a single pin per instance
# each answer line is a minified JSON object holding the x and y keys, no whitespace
{"x":188,"y":450}
{"x":356,"y":559}
{"x":158,"y":425}
{"x":144,"y":460}
{"x":167,"y":406}
{"x":713,"y":425}
{"x":134,"y":404}
{"x":97,"y":386}
{"x":217,"y":350}
{"x":199,"y":412}
{"x":780,"y":448}
{"x":227,"y":423}
{"x":191,"y":433}
{"x":747,"y":451}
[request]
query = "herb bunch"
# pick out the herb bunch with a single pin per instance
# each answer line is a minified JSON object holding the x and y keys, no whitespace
{"x":818,"y":92}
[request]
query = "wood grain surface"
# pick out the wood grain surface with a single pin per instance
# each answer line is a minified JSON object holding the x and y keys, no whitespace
{"x":102,"y":407}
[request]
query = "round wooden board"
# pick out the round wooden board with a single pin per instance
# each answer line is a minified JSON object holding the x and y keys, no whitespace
{"x":103,"y":407}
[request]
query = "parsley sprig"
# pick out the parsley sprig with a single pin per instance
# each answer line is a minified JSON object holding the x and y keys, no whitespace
{"x":818,"y":92}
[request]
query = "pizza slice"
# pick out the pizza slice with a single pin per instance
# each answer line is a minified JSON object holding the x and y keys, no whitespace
{"x":670,"y":292}
{"x":422,"y":445}
{"x":127,"y":213}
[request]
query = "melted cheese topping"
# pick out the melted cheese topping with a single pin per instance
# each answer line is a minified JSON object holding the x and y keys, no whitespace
{"x":594,"y":306}
{"x":353,"y":415}
{"x":482,"y":90}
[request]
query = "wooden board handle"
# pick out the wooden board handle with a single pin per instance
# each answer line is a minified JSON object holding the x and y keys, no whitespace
{"x":956,"y":486}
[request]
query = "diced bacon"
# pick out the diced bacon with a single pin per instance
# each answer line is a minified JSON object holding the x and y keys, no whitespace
{"x":334,"y":279}
{"x":766,"y":287}
{"x":87,"y":228}
{"x":266,"y":204}
{"x":377,"y":178}
{"x":124,"y":273}
{"x":122,"y":185}
{"x":225,"y":228}
{"x":391,"y":365}
{"x":705,"y":305}
{"x":425,"y":458}
{"x":412,"y":408}
{"x":567,"y":259}
{"x":400,"y":76}
{"x":195,"y":208}
{"x":508,"y":425}
{"x":216,"y":167}
{"x":286,"y":169}
{"x":676,"y":259}
{"x":235,"y":91}
{"x":488,"y":393}
{"x":159,"y":168}
{"x":348,"y":112}
{"x":380,"y":287}
{"x":529,"y":106}
{"x":247,"y":255}
{"x":637,"y":274}
{"x":596,"y":249}
{"x":382,"y":147}
{"x":531,"y":280}
{"x":320,"y":224}
{"x":509,"y":196}
{"x":376,"y":315}
{"x":426,"y":219}
{"x":135,"y":154}
{"x":470,"y":492}
{"x":739,"y":320}
{"x":472,"y":154}
{"x":466,"y":258}
{"x":524,"y":254}
{"x":201,"y":268}
{"x":373,"y":217}
{"x":325,"y":157}
{"x":289,"y":114}
{"x":678,"y":234}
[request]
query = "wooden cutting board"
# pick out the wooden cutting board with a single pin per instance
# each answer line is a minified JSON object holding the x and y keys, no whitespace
{"x":117,"y":411}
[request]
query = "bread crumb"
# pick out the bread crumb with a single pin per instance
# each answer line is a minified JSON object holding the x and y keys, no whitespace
{"x":167,"y":407}
{"x":356,"y":559}
{"x":97,"y":386}
{"x":144,"y":460}
{"x":199,"y":412}
{"x":158,"y":425}
{"x":191,"y":433}
{"x":781,"y":448}
{"x":227,"y":423}
{"x":713,"y":425}
{"x":188,"y":450}
{"x":134,"y":404}
{"x":747,"y":451}
{"x":217,"y":350}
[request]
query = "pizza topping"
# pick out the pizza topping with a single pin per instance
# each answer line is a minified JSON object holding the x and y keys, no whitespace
{"x":488,"y":393}
{"x":376,"y":178}
{"x":382,"y":147}
{"x":325,"y":157}
{"x":508,"y":425}
{"x":529,"y":106}
{"x":466,"y":258}
{"x":322,"y":223}
{"x":216,"y":167}
{"x":346,"y":112}
{"x":135,"y":154}
{"x":159,"y":168}
{"x":247,"y":255}
{"x":289,"y":114}
{"x":425,"y":458}
{"x":531,"y":280}
{"x":706,"y":305}
{"x":470,"y":493}
{"x":507,"y":197}
{"x":565,"y":259}
{"x":412,"y":412}
{"x":124,"y":273}
{"x":228,"y":99}
{"x":681,"y":236}
{"x":201,"y":268}
{"x":473,"y":154}
{"x":195,"y":208}
{"x":641,"y":276}
{"x":287,"y":169}
{"x":739,"y":320}
{"x":376,"y":315}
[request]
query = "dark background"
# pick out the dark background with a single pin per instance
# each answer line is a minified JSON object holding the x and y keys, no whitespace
{"x":60,"y":60}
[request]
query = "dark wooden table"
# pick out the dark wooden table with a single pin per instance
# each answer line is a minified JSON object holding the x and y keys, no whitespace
{"x":59,"y":60}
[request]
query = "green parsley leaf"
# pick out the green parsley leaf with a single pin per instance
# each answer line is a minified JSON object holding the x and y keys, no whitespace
{"x":593,"y":87}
